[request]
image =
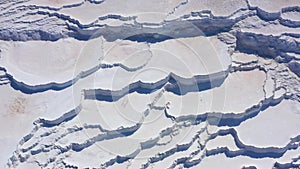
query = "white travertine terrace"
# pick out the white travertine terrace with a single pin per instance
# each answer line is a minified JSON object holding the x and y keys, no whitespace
{"x":149,"y":84}
{"x":275,"y":121}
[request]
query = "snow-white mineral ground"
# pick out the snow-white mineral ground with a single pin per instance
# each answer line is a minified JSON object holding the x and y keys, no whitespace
{"x":203,"y":84}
